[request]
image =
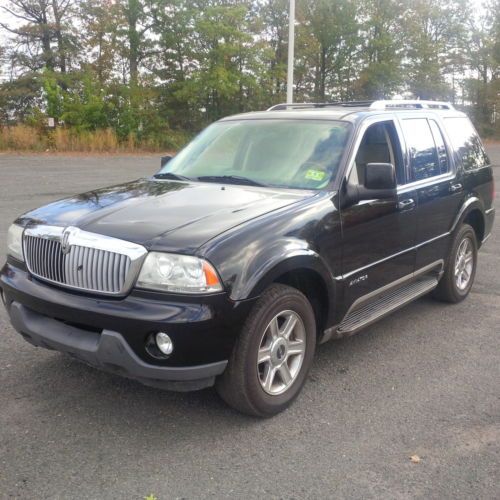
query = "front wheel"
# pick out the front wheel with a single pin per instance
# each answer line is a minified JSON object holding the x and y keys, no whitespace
{"x":460,"y":270}
{"x":273,"y":354}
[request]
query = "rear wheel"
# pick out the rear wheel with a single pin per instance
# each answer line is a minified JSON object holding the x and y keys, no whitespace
{"x":460,"y":270}
{"x":271,"y":358}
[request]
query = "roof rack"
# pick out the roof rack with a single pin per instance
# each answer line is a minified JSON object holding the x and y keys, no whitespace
{"x":373,"y":105}
{"x":410,"y":104}
{"x":315,"y":105}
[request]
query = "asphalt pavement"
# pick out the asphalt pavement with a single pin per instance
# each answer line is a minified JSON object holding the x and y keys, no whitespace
{"x":424,"y":381}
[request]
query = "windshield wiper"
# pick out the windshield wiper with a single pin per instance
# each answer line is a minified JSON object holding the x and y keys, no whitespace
{"x":171,"y":175}
{"x":230,"y":179}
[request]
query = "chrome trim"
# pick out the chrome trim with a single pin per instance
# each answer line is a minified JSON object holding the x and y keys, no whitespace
{"x":444,"y":235}
{"x":489,"y":211}
{"x":87,"y":245}
{"x":385,"y":259}
{"x":410,"y":186}
{"x":392,"y":256}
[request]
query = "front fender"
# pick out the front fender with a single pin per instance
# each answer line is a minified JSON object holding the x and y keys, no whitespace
{"x":282,"y":256}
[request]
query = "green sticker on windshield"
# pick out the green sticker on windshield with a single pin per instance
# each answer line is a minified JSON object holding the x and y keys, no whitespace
{"x":315,"y":175}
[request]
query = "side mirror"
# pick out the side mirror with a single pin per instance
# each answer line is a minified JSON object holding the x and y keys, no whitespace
{"x":380,"y":176}
{"x":380,"y":184}
{"x":164,"y":160}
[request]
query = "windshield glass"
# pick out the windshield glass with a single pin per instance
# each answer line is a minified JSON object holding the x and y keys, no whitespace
{"x":303,"y":154}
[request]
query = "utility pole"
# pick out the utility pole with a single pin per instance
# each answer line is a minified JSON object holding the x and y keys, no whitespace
{"x":291,"y":46}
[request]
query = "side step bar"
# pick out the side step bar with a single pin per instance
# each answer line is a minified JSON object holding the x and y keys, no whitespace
{"x":383,"y":304}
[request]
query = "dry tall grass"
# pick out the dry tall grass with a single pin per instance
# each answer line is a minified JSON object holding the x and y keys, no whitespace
{"x":25,"y":138}
{"x":20,"y":137}
{"x":101,"y":141}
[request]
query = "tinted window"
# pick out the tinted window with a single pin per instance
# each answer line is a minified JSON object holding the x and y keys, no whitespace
{"x":440,"y":146}
{"x":424,"y":161}
{"x":466,"y":143}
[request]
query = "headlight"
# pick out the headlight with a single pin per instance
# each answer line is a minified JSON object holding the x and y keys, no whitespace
{"x":15,"y":241}
{"x":178,"y":273}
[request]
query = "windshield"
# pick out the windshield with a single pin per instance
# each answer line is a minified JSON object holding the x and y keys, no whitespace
{"x":302,"y":154}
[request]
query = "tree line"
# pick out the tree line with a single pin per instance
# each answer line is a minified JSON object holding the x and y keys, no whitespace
{"x":153,"y":72}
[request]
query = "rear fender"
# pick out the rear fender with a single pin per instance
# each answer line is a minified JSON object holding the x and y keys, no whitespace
{"x":470,"y":204}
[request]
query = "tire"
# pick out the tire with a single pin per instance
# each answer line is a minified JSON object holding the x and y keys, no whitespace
{"x":450,"y":288}
{"x":253,"y":388}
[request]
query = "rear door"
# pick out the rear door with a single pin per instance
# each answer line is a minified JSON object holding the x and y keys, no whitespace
{"x":440,"y":191}
{"x":378,"y":236}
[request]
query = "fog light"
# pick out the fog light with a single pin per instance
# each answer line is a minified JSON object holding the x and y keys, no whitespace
{"x":164,"y":343}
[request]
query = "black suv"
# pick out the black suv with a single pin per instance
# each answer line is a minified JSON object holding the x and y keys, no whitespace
{"x":269,"y":233}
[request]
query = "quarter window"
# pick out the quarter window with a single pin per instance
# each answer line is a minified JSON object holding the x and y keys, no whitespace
{"x":424,"y":159}
{"x":466,"y":143}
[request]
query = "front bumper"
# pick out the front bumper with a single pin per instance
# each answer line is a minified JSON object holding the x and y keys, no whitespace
{"x":108,"y":351}
{"x":111,"y":334}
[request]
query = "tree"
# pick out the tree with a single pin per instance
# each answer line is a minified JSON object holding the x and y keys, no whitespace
{"x":138,"y":18}
{"x":99,"y":37}
{"x":153,"y":69}
{"x":332,"y":33}
{"x":273,"y":30}
{"x":41,"y":34}
{"x":381,"y":53}
{"x":435,"y":33}
{"x":19,"y":98}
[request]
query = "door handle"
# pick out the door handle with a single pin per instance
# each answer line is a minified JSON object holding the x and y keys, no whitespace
{"x":455,"y":188}
{"x":406,"y":204}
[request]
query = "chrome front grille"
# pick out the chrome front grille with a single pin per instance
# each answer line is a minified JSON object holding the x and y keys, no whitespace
{"x":82,"y":260}
{"x":45,"y":258}
{"x":105,"y":271}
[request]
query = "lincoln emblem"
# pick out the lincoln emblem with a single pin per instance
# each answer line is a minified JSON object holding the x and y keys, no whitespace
{"x":65,"y":246}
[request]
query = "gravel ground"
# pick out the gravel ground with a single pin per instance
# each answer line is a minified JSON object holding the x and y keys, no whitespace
{"x":423,"y":381}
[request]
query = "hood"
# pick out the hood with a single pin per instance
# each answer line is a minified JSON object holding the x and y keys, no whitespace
{"x":167,"y":215}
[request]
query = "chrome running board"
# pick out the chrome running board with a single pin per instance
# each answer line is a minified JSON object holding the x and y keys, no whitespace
{"x":382,"y":305}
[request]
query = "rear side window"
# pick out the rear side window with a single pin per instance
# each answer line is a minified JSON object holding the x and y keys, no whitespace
{"x":440,"y":147}
{"x":424,"y":159}
{"x":466,"y":143}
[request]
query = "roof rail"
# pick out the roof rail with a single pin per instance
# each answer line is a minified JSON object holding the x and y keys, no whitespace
{"x":373,"y":105}
{"x":315,"y":105}
{"x":410,"y":104}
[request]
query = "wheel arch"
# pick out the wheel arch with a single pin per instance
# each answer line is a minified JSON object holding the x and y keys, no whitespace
{"x":472,"y":213}
{"x":475,"y":218}
{"x":311,"y":284}
{"x":308,"y":274}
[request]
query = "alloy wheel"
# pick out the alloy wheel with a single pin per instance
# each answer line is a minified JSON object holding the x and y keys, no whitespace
{"x":281,"y":352}
{"x":464,"y":264}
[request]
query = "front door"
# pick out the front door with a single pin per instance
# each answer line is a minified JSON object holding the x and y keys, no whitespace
{"x":378,"y":236}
